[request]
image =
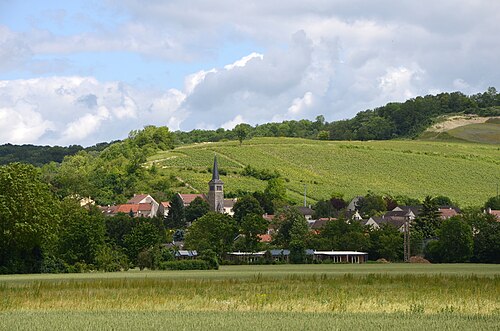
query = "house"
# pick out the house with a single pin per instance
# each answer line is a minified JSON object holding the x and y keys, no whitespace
{"x":185,"y":255}
{"x":188,"y":198}
{"x":377,"y":221}
{"x":164,"y":208}
{"x":142,"y":200}
{"x":228,"y":206}
{"x":494,"y":212}
{"x":446,"y":212}
{"x":318,"y":224}
{"x":141,"y":205}
{"x":307,"y":212}
{"x":352,"y":206}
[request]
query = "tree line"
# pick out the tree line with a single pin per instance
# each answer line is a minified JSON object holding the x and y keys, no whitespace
{"x":394,"y":120}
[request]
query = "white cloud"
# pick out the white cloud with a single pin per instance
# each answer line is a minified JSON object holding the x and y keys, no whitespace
{"x":232,"y":123}
{"x":80,"y":110}
{"x":398,"y":83}
{"x":333,"y":58}
{"x":22,"y":124}
{"x":300,"y":104}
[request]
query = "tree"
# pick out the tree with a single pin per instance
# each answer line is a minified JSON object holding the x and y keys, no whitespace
{"x":245,"y":206}
{"x":143,"y":236}
{"x":486,"y":230}
{"x":371,"y":204}
{"x":119,"y":226}
{"x":291,"y":233}
{"x":493,"y":203}
{"x":441,"y":200}
{"x":265,"y":201}
{"x":386,"y":242}
{"x":455,"y":240}
{"x":212,"y":231}
{"x":324,"y":135}
{"x":196,"y":209}
{"x":29,"y":218}
{"x":343,"y":235}
{"x":176,"y":217}
{"x":291,"y":226}
{"x":241,"y":131}
{"x":82,"y":232}
{"x":276,"y":192}
{"x":251,"y":226}
{"x":428,"y":221}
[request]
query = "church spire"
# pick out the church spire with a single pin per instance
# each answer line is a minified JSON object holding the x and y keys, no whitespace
{"x":215,"y":170}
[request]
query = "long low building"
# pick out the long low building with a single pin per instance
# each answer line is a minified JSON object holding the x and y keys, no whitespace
{"x":283,"y":255}
{"x":341,"y":256}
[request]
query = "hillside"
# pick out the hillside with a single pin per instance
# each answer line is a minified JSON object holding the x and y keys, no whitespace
{"x":467,"y":173}
{"x":465,"y":128}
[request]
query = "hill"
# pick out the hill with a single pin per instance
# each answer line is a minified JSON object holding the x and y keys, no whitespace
{"x":465,"y":128}
{"x":467,"y":173}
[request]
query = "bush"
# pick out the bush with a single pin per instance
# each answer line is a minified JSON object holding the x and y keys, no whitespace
{"x":185,"y":265}
{"x":210,"y":257}
{"x":111,"y":259}
{"x":53,"y":265}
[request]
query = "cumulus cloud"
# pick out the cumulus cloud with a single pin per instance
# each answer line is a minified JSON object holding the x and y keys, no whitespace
{"x":322,"y":57}
{"x":80,"y":110}
{"x":22,"y":124}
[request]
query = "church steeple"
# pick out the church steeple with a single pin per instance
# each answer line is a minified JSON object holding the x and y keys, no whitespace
{"x":215,"y":170}
{"x":216,"y":190}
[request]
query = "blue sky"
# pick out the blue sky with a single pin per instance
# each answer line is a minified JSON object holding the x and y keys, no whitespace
{"x":209,"y":64}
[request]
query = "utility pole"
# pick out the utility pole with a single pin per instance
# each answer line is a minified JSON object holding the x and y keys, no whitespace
{"x":305,"y":191}
{"x":406,"y":241}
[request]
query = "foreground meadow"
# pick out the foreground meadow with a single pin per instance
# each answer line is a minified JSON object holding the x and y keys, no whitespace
{"x":370,"y":296}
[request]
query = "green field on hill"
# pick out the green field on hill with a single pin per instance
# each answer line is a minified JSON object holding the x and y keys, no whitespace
{"x":467,"y":173}
{"x":264,"y":297}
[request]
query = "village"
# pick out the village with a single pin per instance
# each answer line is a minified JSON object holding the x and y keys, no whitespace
{"x":399,"y":218}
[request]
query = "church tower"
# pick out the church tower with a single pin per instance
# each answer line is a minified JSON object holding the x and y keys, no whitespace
{"x":216,"y":190}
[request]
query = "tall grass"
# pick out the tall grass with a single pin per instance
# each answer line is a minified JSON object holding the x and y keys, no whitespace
{"x":368,"y":293}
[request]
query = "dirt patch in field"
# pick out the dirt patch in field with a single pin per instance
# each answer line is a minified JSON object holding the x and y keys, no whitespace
{"x":457,"y":121}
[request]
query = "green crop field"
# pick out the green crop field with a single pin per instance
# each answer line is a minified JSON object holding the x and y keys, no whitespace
{"x":466,"y":172}
{"x":282,"y":297}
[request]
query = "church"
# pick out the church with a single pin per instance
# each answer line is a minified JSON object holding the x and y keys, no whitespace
{"x":215,"y":196}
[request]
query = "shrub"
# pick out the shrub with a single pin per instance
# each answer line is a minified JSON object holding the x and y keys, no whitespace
{"x":185,"y":265}
{"x":111,"y":259}
{"x":53,"y":265}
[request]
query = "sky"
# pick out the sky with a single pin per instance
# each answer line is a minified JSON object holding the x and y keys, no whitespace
{"x":83,"y":72}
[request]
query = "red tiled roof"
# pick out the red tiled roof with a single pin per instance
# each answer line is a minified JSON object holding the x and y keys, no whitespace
{"x":145,"y":207}
{"x":447,"y":212}
{"x":137,"y":199}
{"x":165,"y":204}
{"x":495,"y":213}
{"x":188,"y":198}
{"x":268,"y":217}
{"x":265,"y":238}
{"x":126,"y":208}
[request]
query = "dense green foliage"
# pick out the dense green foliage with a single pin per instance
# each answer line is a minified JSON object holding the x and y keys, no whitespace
{"x":394,"y":120}
{"x":40,"y":155}
{"x":29,"y":219}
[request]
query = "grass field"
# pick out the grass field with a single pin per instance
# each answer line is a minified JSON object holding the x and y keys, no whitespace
{"x":465,"y":172}
{"x":291,"y":297}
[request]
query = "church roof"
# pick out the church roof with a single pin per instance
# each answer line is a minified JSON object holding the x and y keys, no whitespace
{"x":215,"y":173}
